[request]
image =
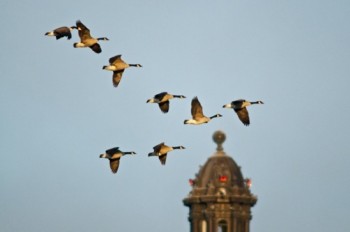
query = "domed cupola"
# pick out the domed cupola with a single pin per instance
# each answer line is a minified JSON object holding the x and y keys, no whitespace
{"x":220,"y":196}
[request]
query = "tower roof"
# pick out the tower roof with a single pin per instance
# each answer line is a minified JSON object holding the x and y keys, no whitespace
{"x":220,"y":178}
{"x":220,"y":165}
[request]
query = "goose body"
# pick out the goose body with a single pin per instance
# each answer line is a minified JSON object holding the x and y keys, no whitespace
{"x":162,"y":99}
{"x":197,"y":114}
{"x":117,"y":65}
{"x":86,"y":40}
{"x":114,"y":155}
{"x":240,"y":107}
{"x":62,"y":32}
{"x":161,"y":150}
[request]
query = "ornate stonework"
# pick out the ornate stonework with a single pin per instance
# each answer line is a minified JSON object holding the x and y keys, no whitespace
{"x":220,"y":199}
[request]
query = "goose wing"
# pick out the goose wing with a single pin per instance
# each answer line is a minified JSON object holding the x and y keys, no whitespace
{"x":164,"y":106}
{"x":117,"y":76}
{"x":196,"y":109}
{"x":243,"y":115}
{"x":157,"y":148}
{"x":83,"y":31}
{"x":160,"y":96}
{"x":162,"y":158}
{"x":96,"y":48}
{"x":114,"y":164}
{"x":238,"y":104}
{"x":114,"y":59}
{"x":112,"y":150}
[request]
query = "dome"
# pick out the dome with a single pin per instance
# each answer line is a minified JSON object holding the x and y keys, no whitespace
{"x":220,"y":177}
{"x":220,"y":199}
{"x":220,"y":170}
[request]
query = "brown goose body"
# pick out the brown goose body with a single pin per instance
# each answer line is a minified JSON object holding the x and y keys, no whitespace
{"x":114,"y":155}
{"x":240,"y":107}
{"x":162,"y":99}
{"x":161,"y":150}
{"x":197,"y":114}
{"x":86,"y":40}
{"x":61,"y":32}
{"x":118,"y":65}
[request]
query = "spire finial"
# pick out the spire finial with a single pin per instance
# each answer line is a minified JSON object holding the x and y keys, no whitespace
{"x":219,"y":138}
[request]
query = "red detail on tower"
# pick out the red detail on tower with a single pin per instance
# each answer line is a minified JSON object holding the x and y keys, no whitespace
{"x":222,"y":178}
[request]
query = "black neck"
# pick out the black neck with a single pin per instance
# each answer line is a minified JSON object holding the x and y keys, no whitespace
{"x":214,"y":116}
{"x":178,"y":96}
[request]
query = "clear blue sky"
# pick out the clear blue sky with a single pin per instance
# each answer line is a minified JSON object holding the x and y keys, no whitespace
{"x":59,"y":111}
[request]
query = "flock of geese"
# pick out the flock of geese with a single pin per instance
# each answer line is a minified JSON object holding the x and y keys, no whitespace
{"x":117,"y":65}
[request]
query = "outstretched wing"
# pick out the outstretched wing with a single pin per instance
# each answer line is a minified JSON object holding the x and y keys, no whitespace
{"x":238,"y":104}
{"x":164,"y":106}
{"x":117,"y":76}
{"x":162,"y":158}
{"x":114,"y":58}
{"x":243,"y":115}
{"x":114,"y":164}
{"x":112,"y":150}
{"x":196,"y":108}
{"x":157,"y":148}
{"x":83,"y":31}
{"x":160,"y":96}
{"x":96,"y":48}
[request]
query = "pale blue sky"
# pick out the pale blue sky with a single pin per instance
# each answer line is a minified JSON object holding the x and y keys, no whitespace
{"x":59,"y":111}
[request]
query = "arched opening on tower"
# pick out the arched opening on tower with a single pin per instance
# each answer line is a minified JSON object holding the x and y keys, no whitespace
{"x":222,"y":226}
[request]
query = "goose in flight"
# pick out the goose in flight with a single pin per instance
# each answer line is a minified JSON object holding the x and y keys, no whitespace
{"x":197,"y":114}
{"x":161,"y":150}
{"x":240,"y":107}
{"x":117,"y":65}
{"x":114,"y":155}
{"x":62,"y":32}
{"x":162,"y":99}
{"x":86,"y":40}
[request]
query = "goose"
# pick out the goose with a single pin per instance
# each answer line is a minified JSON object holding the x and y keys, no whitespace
{"x":62,"y":32}
{"x":117,"y":65}
{"x":161,"y":150}
{"x":86,"y":40}
{"x":114,"y":155}
{"x":162,"y":99}
{"x":240,"y":107}
{"x":197,"y":114}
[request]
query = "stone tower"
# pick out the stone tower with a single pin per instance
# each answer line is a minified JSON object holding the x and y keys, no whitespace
{"x":220,"y":199}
